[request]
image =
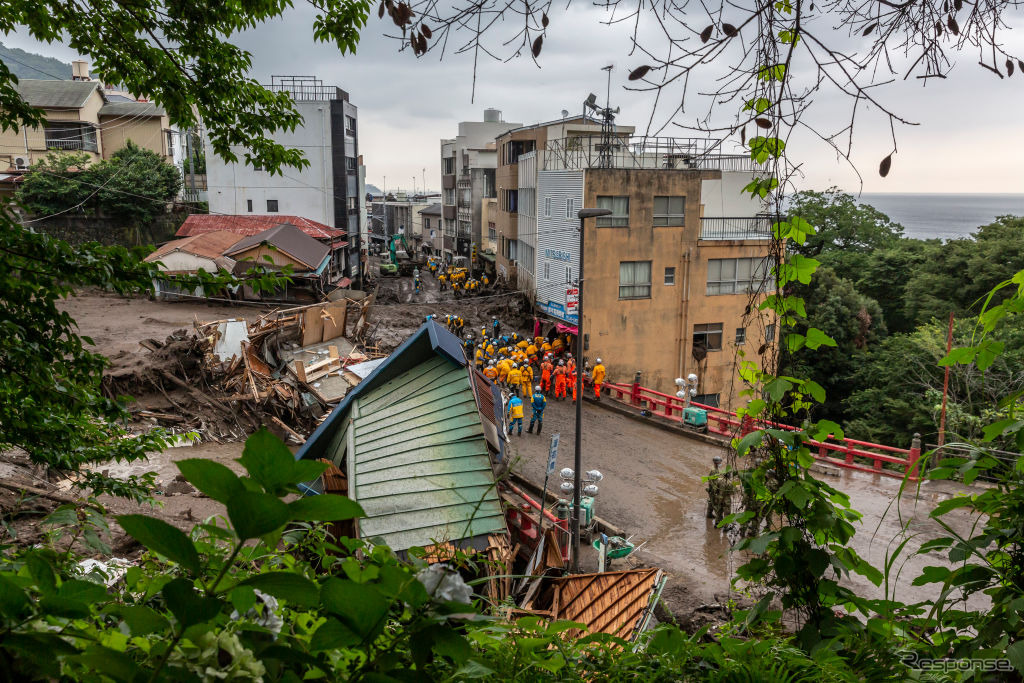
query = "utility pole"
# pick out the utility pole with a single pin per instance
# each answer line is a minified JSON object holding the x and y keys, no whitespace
{"x":945,"y":383}
{"x":191,"y":163}
{"x":574,"y":531}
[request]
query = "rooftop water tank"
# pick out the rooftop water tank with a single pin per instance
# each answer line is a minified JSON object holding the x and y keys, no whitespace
{"x":492,"y":115}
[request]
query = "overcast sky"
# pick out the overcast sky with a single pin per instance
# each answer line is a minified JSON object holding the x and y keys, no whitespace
{"x":969,"y":139}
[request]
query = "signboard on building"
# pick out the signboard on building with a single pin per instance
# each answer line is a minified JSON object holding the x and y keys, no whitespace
{"x":572,"y":299}
{"x":557,"y":310}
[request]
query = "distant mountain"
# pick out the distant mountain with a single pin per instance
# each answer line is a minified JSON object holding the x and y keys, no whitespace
{"x":28,"y":65}
{"x":373,"y":189}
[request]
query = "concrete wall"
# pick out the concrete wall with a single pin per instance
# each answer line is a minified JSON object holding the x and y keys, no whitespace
{"x":526,"y":253}
{"x":725,"y":197}
{"x":149,"y":133}
{"x":557,"y":241}
{"x":79,"y":229}
{"x":308,"y":192}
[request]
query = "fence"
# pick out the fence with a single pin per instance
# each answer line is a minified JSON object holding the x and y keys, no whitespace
{"x":847,"y":453}
{"x":736,"y":228}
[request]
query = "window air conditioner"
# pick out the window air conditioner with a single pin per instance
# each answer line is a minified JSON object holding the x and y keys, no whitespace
{"x":21,"y":163}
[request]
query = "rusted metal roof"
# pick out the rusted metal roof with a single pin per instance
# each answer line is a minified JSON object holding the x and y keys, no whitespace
{"x":612,"y":602}
{"x":253,"y":224}
{"x":210,"y":245}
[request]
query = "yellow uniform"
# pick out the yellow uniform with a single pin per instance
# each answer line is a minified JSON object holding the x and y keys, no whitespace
{"x":527,"y":381}
{"x":515,"y":377}
{"x":479,"y":357}
{"x":503,"y":367}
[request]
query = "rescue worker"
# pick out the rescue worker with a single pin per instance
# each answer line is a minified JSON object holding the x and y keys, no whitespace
{"x":459,"y":325}
{"x":496,"y":326}
{"x":485,"y":281}
{"x":489,"y":349}
{"x":545,"y":348}
{"x":515,"y":378}
{"x":570,"y":363}
{"x":515,"y":414}
{"x":527,"y":380}
{"x":491,"y":372}
{"x":556,"y":346}
{"x":478,"y":357}
{"x":546,"y":368}
{"x":503,"y":365}
{"x":598,"y":375}
{"x":531,"y":352}
{"x":455,"y":287}
{"x":442,"y":280}
{"x":417,"y":284}
{"x":538,"y":403}
{"x":560,"y":380}
{"x":570,"y":378}
{"x":468,"y":345}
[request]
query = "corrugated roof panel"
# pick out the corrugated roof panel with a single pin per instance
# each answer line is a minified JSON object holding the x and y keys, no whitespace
{"x":423,"y":457}
{"x":444,"y":429}
{"x":480,"y":527}
{"x":461,"y":473}
{"x":404,"y":386}
{"x":429,"y":519}
{"x":430,"y":400}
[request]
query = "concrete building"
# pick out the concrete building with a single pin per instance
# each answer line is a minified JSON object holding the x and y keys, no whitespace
{"x":468,"y":163}
{"x":430,"y":217}
{"x":327,"y":191}
{"x":669,"y":275}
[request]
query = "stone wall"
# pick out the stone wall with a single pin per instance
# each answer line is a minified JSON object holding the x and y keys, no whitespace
{"x":109,"y":231}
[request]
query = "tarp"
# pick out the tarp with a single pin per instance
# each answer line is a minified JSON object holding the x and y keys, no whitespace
{"x":566,"y":329}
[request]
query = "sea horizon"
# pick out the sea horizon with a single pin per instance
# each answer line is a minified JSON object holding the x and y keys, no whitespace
{"x":944,"y":215}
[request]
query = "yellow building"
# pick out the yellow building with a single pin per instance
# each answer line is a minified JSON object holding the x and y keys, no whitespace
{"x":672,"y":277}
{"x":78,"y":118}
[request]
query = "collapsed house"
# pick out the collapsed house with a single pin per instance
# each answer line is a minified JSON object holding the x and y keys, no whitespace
{"x":187,"y":256}
{"x":417,"y":441}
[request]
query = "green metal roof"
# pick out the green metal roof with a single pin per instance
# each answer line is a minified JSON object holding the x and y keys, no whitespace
{"x":56,"y":94}
{"x":415,"y":452}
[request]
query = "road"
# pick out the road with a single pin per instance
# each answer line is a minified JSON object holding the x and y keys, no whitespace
{"x":652,"y":488}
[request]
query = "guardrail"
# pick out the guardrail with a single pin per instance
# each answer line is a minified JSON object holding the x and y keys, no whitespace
{"x":736,"y":228}
{"x":847,"y":453}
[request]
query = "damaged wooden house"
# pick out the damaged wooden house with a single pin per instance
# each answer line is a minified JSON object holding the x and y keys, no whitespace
{"x":416,"y":443}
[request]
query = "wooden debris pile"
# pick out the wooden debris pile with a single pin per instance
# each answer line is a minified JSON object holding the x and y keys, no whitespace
{"x":227,"y":378}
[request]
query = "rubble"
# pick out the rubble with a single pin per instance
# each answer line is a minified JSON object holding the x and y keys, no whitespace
{"x":224,"y":379}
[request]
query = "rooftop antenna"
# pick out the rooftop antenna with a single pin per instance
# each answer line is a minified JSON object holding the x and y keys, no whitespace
{"x":605,"y":149}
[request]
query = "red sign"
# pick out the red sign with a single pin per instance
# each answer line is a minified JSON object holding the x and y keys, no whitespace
{"x":572,"y":300}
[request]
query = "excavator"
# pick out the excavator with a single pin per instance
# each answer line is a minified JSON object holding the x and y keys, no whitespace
{"x":403,"y":261}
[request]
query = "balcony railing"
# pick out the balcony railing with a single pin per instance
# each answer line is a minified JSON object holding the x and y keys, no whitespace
{"x":736,"y":228}
{"x":305,"y":89}
{"x":640,"y":152}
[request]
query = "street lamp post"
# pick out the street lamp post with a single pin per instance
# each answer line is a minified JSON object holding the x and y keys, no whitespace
{"x":583,"y":214}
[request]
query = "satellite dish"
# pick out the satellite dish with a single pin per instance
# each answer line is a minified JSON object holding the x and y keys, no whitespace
{"x":565,"y":113}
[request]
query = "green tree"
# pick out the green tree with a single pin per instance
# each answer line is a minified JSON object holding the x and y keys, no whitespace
{"x":136,"y":184}
{"x":843,"y":225}
{"x":60,"y":182}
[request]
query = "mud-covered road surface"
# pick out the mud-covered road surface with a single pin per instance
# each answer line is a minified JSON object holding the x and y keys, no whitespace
{"x":652,"y":488}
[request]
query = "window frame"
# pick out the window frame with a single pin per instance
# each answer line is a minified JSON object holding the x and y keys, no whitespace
{"x":741,"y":336}
{"x":670,"y":276}
{"x":707,"y":329}
{"x":668,"y":219}
{"x":755,"y":266}
{"x":248,"y":205}
{"x":632,"y":288}
{"x":548,"y":201}
{"x":615,"y":220}
{"x":277,"y":206}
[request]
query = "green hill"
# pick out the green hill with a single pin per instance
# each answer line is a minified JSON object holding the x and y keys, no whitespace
{"x":28,"y":65}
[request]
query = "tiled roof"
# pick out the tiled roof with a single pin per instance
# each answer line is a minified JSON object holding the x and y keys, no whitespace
{"x":131,"y":109}
{"x":253,"y":224}
{"x":432,"y":210}
{"x":289,"y":239}
{"x":56,"y":94}
{"x":208,"y":244}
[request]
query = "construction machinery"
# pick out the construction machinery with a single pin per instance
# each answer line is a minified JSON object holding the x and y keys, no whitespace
{"x":403,"y":261}
{"x":695,"y":419}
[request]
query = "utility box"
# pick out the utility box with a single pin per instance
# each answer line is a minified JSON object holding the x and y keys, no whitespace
{"x":696,"y":418}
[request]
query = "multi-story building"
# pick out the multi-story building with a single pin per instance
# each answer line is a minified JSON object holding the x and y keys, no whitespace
{"x":512,"y":145}
{"x":468,"y":163}
{"x":669,"y":274}
{"x":326,"y":191}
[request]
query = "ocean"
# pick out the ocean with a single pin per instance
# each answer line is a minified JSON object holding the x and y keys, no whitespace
{"x":944,"y":216}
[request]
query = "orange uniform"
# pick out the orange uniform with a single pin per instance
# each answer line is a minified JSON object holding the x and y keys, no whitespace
{"x":560,"y":382}
{"x":546,"y":369}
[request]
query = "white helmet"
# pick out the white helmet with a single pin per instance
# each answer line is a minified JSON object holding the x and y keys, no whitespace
{"x":598,"y":360}
{"x":515,"y":365}
{"x":537,"y":389}
{"x":490,"y":363}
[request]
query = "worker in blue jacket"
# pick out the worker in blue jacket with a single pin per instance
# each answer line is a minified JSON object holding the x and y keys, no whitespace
{"x":539,"y":403}
{"x":515,"y":414}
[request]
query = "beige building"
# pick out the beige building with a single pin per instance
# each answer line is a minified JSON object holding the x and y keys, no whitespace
{"x":78,"y":118}
{"x":669,"y":275}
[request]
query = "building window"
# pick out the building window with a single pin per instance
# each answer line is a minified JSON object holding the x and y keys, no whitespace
{"x":257,"y":167}
{"x":568,"y":275}
{"x":510,"y":200}
{"x":271,"y":206}
{"x":711,"y":400}
{"x":449,"y":196}
{"x":708,"y":336}
{"x":620,"y":212}
{"x":351,"y":165}
{"x":669,"y":211}
{"x":490,"y":189}
{"x":350,"y":126}
{"x":736,"y":275}
{"x":517,"y":147}
{"x":741,"y":336}
{"x":492,"y":232}
{"x":570,"y":208}
{"x":248,"y":205}
{"x":634,"y":279}
{"x":547,"y":207}
{"x":769,"y":332}
{"x":448,"y":165}
{"x":547,"y":270}
{"x":670,"y":276}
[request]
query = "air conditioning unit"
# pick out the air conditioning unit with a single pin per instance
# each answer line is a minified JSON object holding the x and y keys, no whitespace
{"x":21,"y":163}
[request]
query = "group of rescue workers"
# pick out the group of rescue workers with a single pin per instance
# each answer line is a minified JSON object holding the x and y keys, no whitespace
{"x":531,"y":369}
{"x":459,"y":280}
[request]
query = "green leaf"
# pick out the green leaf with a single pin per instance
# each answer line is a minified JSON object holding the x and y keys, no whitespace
{"x":333,"y":635}
{"x":751,"y":440}
{"x":61,"y":607}
{"x":142,"y":620}
{"x":327,"y":507}
{"x":359,"y":606}
{"x":959,"y":356}
{"x":759,"y":544}
{"x":83,"y":591}
{"x":795,"y":342}
{"x":817,"y":338}
{"x":162,"y":538}
{"x":255,"y":514}
{"x":451,"y":644}
{"x":288,"y":586}
{"x":117,"y":665}
{"x":798,"y":495}
{"x":1015,"y":653}
{"x":42,"y":573}
{"x":777,"y":388}
{"x":268,"y":461}
{"x":814,"y":390}
{"x":951,"y":504}
{"x":188,"y":606}
{"x":824,"y":428}
{"x":306,"y":470}
{"x":931,"y":575}
{"x":212,"y":478}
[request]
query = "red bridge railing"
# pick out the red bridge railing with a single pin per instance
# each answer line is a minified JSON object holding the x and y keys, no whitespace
{"x":848,"y":453}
